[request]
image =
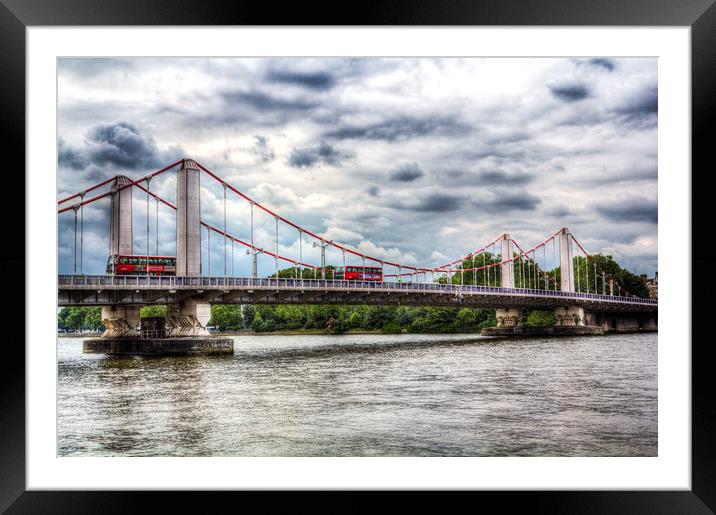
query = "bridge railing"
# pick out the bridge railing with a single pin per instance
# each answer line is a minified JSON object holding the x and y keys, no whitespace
{"x":142,"y":281}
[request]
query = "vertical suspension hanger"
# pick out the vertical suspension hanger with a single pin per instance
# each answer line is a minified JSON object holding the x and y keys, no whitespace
{"x":225,"y":250}
{"x":156,"y":220}
{"x":300,"y":249}
{"x":149,"y":180}
{"x":82,"y":218}
{"x":276,"y":258}
{"x":74,"y":248}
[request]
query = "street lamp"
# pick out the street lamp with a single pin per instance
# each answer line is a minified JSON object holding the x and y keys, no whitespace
{"x":323,"y":256}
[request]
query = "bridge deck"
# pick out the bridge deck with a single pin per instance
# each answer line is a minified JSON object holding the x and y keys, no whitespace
{"x":100,"y":290}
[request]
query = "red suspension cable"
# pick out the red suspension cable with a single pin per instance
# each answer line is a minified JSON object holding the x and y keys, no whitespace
{"x":594,"y":262}
{"x":91,"y":188}
{"x":226,"y":234}
{"x":298,"y":227}
{"x":120,"y":188}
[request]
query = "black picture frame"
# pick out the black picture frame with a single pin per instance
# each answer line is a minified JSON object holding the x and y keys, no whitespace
{"x":16,"y":15}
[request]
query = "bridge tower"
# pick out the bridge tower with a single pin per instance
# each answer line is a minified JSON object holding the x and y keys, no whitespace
{"x":566,"y":266}
{"x":189,"y":317}
{"x":507,"y":272}
{"x":120,"y":218}
{"x":188,"y":220}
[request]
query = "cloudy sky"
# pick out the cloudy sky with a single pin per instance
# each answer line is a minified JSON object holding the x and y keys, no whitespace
{"x":414,"y":160}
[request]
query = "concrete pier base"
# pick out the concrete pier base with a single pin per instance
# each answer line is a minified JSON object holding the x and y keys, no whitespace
{"x":191,"y":346}
{"x":510,"y":317}
{"x":569,"y":316}
{"x":120,"y":321}
{"x":188,"y":319}
{"x":548,"y":330}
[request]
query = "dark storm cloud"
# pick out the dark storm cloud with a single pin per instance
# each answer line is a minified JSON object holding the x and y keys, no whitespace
{"x":322,"y":153}
{"x":122,"y":145}
{"x":317,"y":80}
{"x":91,"y":67}
{"x":407,"y":172}
{"x":491,"y":178}
{"x":560,"y":212}
{"x":641,"y":110}
{"x":262,"y":150}
{"x":570,"y":92}
{"x":117,"y":145}
{"x":488,"y":178}
{"x":498,"y":177}
{"x":70,"y":157}
{"x":606,"y":235}
{"x":600,"y":62}
{"x":401,"y":129}
{"x":508,"y":201}
{"x":433,"y":203}
{"x":264,"y":102}
{"x":636,"y":209}
{"x":642,"y":172}
{"x":94,"y":174}
{"x":374,"y":191}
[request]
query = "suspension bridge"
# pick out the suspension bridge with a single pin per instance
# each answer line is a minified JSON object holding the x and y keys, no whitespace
{"x":556,"y":274}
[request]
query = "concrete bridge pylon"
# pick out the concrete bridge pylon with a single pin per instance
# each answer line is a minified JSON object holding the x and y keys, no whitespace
{"x":189,"y":317}
{"x":507,"y":270}
{"x":566,"y":265}
{"x":188,"y":225}
{"x":120,"y":226}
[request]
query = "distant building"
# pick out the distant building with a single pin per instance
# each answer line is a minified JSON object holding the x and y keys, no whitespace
{"x":652,"y":284}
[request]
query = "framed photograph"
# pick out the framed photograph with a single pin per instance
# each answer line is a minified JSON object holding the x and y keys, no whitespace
{"x":415,"y":251}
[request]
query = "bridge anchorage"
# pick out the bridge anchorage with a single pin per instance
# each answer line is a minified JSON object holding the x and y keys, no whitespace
{"x":556,"y":274}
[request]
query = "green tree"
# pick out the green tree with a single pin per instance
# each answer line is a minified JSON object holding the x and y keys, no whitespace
{"x":153,"y":311}
{"x":593,"y":276}
{"x":304,"y":272}
{"x":537,"y":318}
{"x":226,"y":317}
{"x":93,"y":319}
{"x":247,"y":315}
{"x":392,"y":327}
{"x":79,"y":318}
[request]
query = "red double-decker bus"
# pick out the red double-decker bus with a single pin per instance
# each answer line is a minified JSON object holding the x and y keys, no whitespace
{"x":157,"y":265}
{"x":359,"y":273}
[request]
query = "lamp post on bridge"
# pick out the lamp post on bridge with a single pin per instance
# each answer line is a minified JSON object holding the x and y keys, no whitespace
{"x":323,"y":255}
{"x":253,"y":252}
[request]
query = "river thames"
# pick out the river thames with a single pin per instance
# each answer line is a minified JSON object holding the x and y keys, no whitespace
{"x":366,"y":395}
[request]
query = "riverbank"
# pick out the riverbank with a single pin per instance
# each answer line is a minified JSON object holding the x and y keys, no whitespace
{"x":294,"y":332}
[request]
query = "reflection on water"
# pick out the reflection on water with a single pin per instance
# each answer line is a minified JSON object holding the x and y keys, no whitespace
{"x":366,"y":395}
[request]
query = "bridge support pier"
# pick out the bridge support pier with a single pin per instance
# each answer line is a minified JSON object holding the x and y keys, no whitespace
{"x":120,"y":321}
{"x":509,"y":317}
{"x":569,"y":316}
{"x":624,"y":322}
{"x":188,"y":318}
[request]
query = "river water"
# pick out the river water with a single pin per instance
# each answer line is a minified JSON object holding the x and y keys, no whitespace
{"x":366,"y":395}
